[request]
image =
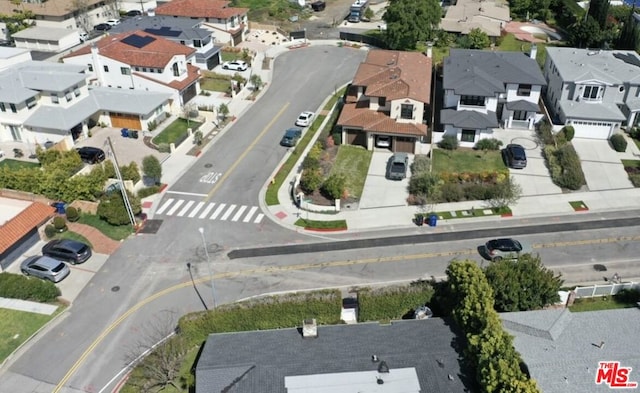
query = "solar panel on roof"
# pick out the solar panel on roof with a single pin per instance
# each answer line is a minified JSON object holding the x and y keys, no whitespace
{"x":163,"y":31}
{"x":138,"y":41}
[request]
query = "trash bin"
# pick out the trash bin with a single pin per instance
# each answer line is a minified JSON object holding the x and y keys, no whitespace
{"x":59,"y":207}
{"x":419,"y":220}
{"x":433,"y":220}
{"x":124,"y":132}
{"x":133,"y":134}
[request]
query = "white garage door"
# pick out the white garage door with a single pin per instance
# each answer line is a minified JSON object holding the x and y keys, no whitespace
{"x":592,"y":130}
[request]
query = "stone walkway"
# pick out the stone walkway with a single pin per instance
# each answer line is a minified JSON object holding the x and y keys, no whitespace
{"x":100,"y":243}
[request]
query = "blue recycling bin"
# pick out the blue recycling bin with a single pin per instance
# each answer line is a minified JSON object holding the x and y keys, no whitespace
{"x":124,"y":132}
{"x":59,"y":206}
{"x":433,"y":220}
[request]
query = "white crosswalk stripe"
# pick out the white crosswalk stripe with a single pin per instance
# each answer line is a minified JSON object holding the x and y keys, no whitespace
{"x":210,"y":210}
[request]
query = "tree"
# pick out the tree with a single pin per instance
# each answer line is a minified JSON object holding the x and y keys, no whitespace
{"x":629,"y":35}
{"x":223,"y":110}
{"x":507,"y":193}
{"x":410,"y":21}
{"x":599,"y":10}
{"x":470,"y":294}
{"x":256,"y":81}
{"x":83,"y":19}
{"x":334,"y":186}
{"x":585,"y":33}
{"x":189,"y":110}
{"x":523,"y":284}
{"x":152,"y":168}
{"x":477,"y":39}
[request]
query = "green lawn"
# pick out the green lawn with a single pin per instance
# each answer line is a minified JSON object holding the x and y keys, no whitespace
{"x":631,"y":163}
{"x":215,"y":82}
{"x":175,"y":131}
{"x":17,"y":164}
{"x":16,"y":327}
{"x":466,"y":160}
{"x":326,"y":225}
{"x":114,"y":232}
{"x":510,"y":43}
{"x":599,"y":303}
{"x":353,"y":162}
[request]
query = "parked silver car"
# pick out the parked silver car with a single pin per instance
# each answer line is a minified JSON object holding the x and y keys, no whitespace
{"x":498,"y":249}
{"x":45,"y":267}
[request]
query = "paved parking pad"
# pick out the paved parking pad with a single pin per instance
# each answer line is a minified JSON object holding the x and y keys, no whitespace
{"x":378,"y":190}
{"x":535,"y":178}
{"x":602,"y":166}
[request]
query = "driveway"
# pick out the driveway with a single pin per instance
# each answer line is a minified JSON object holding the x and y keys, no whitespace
{"x":378,"y":190}
{"x":601,"y":165}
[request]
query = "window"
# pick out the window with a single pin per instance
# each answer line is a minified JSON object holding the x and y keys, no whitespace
{"x":54,"y":98}
{"x":524,"y":90}
{"x":144,"y":69}
{"x":106,"y":68}
{"x":472,"y":100}
{"x":381,"y":101}
{"x":76,"y":91}
{"x":68,"y":95}
{"x":197,"y":43}
{"x":13,"y":108}
{"x":31,"y":102}
{"x":176,"y":72}
{"x":406,"y":111}
{"x":468,"y":136}
{"x":125,"y":70}
{"x":3,"y":107}
{"x":621,"y":89}
{"x":90,"y":66}
{"x":519,"y":115}
{"x":591,"y":92}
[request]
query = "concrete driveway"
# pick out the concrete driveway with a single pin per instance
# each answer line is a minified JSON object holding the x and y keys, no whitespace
{"x":378,"y":190}
{"x":601,"y":165}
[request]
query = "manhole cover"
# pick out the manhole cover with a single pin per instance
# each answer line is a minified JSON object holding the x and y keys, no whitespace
{"x":208,"y":165}
{"x":115,"y":289}
{"x":599,"y":268}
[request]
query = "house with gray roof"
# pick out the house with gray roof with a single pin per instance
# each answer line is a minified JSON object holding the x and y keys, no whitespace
{"x":44,"y":102}
{"x":562,"y":350}
{"x":408,"y":356}
{"x":487,"y":89}
{"x":595,"y":91}
{"x":185,"y":31}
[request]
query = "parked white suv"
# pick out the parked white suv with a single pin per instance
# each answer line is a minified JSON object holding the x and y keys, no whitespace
{"x":305,"y":118}
{"x":236,"y":65}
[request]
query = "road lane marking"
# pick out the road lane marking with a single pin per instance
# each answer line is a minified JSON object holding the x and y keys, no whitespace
{"x":218,"y":211}
{"x":185,"y":193}
{"x":227,"y":213}
{"x":165,"y":206}
{"x":207,"y":210}
{"x":186,"y":208}
{"x":244,"y":153}
{"x":175,"y":207}
{"x":259,"y":218}
{"x":238,"y":214}
{"x":196,"y":209}
{"x":247,"y":218}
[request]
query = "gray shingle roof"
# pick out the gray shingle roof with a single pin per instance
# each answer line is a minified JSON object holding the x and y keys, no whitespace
{"x":561,"y":349}
{"x":175,"y":29}
{"x":583,"y":110}
{"x":613,"y":67}
{"x":522,"y":105}
{"x":26,"y":80}
{"x":43,"y":33}
{"x":128,"y":101}
{"x":259,"y":361}
{"x":468,"y":119}
{"x":485,"y":73}
{"x":63,"y":119}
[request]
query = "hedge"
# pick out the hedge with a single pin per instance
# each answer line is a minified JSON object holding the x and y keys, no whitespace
{"x":564,"y":166}
{"x":15,"y":286}
{"x":389,"y":303}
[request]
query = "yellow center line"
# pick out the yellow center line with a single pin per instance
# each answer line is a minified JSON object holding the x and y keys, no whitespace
{"x":244,"y":154}
{"x":299,"y":267}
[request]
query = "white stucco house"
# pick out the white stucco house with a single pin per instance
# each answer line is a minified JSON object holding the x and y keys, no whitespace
{"x":595,"y":91}
{"x":484,"y":90}
{"x":136,"y":60}
{"x":46,"y":39}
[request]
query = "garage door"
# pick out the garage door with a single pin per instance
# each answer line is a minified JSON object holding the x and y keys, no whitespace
{"x":357,"y":138}
{"x":189,"y":93}
{"x":592,"y":130}
{"x":123,"y":120}
{"x":404,"y":144}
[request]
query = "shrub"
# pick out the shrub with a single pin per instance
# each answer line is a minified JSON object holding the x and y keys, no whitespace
{"x":130,"y":172}
{"x":152,"y":168}
{"x":311,"y":180}
{"x":568,"y":132}
{"x":337,"y":138}
{"x":631,"y":296}
{"x":15,"y":286}
{"x":476,"y":192}
{"x":572,"y":176}
{"x":310,"y":162}
{"x":59,"y":224}
{"x":488,"y":144}
{"x":635,"y":179}
{"x":72,"y":214}
{"x":49,"y":231}
{"x":394,"y":302}
{"x":545,"y":133}
{"x":448,"y":142}
{"x":451,"y":192}
{"x":424,"y":184}
{"x":421,"y":163}
{"x":164,"y":148}
{"x":635,"y":132}
{"x":618,"y":142}
{"x":112,"y":208}
{"x":152,"y":125}
{"x":145,"y":192}
{"x":334,"y":186}
{"x":315,"y":151}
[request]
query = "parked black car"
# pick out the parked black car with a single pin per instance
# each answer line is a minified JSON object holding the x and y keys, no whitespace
{"x":102,"y":27}
{"x":67,"y":250}
{"x":134,"y":13}
{"x":318,"y":6}
{"x":91,"y":155}
{"x":516,"y":157}
{"x":290,"y":137}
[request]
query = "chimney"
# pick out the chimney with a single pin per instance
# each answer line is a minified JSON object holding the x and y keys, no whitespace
{"x":534,"y":51}
{"x":309,"y":328}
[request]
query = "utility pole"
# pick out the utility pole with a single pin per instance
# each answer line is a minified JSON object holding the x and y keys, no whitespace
{"x":123,"y":190}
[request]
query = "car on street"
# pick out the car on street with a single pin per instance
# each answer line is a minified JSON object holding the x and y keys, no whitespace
{"x":91,"y":155}
{"x":235,"y":65}
{"x":291,"y":137}
{"x":102,"y":27}
{"x":45,"y":267}
{"x":133,"y":13}
{"x":305,"y":118}
{"x":397,"y":166}
{"x":113,"y":22}
{"x":516,"y":156}
{"x":383,"y":141}
{"x":83,"y":36}
{"x":506,"y":248}
{"x":67,"y":250}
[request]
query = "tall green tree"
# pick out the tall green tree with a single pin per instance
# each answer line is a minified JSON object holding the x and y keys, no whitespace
{"x":411,"y":21}
{"x":152,"y":168}
{"x":525,"y":284}
{"x":585,"y":33}
{"x":476,"y":39}
{"x":599,"y":10}
{"x":628,"y":39}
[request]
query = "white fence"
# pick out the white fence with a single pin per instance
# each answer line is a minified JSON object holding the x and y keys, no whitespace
{"x":604,"y":290}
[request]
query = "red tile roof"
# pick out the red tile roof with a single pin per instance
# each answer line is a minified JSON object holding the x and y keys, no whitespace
{"x":156,"y":54}
{"x":14,"y":229}
{"x":395,"y":75}
{"x":200,"y":9}
{"x":374,"y":121}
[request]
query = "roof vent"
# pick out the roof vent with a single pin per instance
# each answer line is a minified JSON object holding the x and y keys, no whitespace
{"x":391,"y":62}
{"x":309,"y":328}
{"x":383,"y":368}
{"x":379,"y":381}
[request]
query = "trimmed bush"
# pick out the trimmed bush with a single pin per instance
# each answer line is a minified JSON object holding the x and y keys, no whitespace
{"x":564,"y":166}
{"x":488,"y":144}
{"x":49,"y":231}
{"x":113,"y":210}
{"x":16,"y":286}
{"x":310,"y":163}
{"x":395,"y":302}
{"x":451,"y":192}
{"x":448,"y":142}
{"x":421,"y":163}
{"x":618,"y":142}
{"x":568,"y":132}
{"x":310,"y":180}
{"x":60,"y":224}
{"x":545,"y":133}
{"x":334,"y":186}
{"x":145,"y":192}
{"x":164,"y":148}
{"x":72,"y":214}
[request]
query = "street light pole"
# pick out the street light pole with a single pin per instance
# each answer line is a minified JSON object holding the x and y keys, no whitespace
{"x":206,"y":251}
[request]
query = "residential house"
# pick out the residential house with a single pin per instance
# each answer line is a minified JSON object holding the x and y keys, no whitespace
{"x":65,"y":14}
{"x":44,"y":102}
{"x":389,"y":98}
{"x":46,"y":39}
{"x":230,"y":23}
{"x":19,"y":223}
{"x":137,"y":60}
{"x":562,"y":350}
{"x":487,"y":89}
{"x":488,"y":16}
{"x":185,"y":31}
{"x":409,"y":356}
{"x":594,"y":91}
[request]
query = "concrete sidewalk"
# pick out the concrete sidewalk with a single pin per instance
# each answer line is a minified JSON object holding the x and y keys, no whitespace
{"x":24,"y":305}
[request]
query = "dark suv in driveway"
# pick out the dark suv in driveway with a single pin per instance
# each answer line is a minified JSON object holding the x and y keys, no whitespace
{"x":91,"y":155}
{"x":516,"y":156}
{"x":67,"y":250}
